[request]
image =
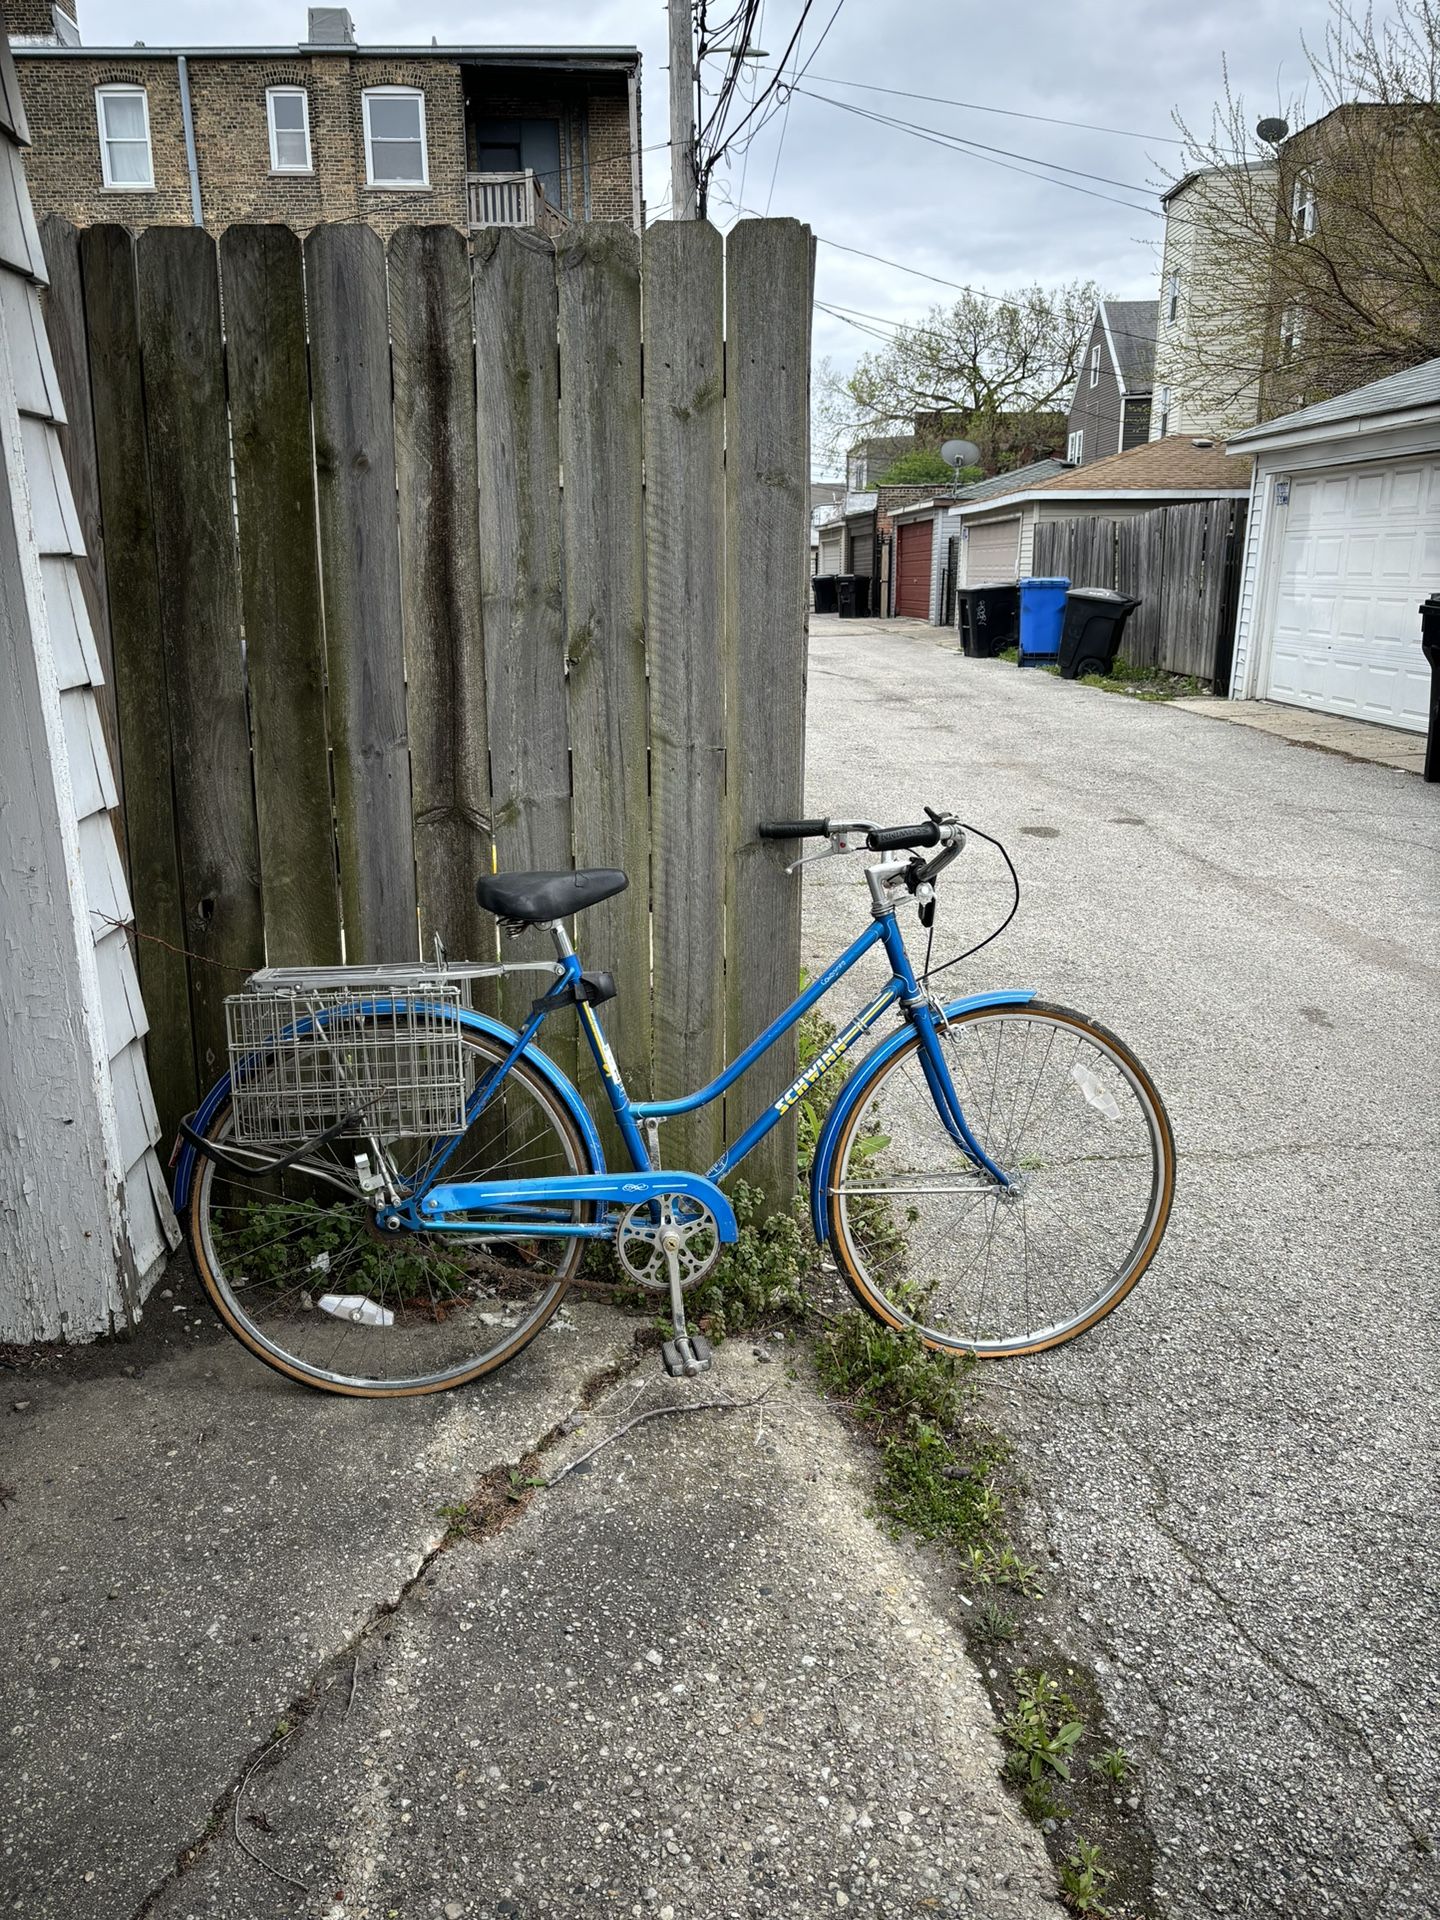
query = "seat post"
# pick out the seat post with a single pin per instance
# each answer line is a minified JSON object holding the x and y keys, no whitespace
{"x":561,"y":939}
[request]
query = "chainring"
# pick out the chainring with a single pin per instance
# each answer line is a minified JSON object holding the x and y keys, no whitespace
{"x":638,"y":1241}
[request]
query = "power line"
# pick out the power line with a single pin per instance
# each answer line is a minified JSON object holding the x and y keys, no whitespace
{"x":976,"y":149}
{"x":1010,"y":113}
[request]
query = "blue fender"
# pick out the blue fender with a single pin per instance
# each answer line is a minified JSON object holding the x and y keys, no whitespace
{"x":187,"y":1155}
{"x":856,"y":1089}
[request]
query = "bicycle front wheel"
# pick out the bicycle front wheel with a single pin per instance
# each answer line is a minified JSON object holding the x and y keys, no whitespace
{"x":927,"y":1240}
{"x":300,"y":1273}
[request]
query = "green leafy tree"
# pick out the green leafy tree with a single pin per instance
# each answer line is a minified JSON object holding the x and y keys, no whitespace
{"x":995,"y":369}
{"x":916,"y":469}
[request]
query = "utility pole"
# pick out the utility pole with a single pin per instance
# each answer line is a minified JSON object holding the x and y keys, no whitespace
{"x":683,"y":183}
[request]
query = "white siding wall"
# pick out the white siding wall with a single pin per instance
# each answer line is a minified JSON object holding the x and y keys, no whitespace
{"x":85,"y":1219}
{"x":1207,"y":330}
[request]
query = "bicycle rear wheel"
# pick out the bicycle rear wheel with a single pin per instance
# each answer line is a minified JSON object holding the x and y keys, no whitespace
{"x":927,"y":1240}
{"x":302,"y":1276}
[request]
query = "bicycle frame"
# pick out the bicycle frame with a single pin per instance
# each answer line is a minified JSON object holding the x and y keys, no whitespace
{"x":529,"y":1203}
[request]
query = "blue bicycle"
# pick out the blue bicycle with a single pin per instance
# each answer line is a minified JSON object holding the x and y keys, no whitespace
{"x":390,"y":1192}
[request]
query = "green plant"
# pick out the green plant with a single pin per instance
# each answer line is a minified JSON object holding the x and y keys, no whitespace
{"x":1042,"y":1730}
{"x":917,"y":469}
{"x":993,"y":1623}
{"x":1084,"y":1877}
{"x":760,"y":1276}
{"x":1145,"y":683}
{"x":1115,"y":1763}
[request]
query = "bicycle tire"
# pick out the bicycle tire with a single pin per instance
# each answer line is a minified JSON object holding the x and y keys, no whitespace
{"x":264,"y":1323}
{"x":888,"y":1265}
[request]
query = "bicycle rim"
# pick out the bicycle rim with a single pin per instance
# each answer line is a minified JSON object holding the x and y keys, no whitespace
{"x":927,"y":1240}
{"x":301,"y":1275}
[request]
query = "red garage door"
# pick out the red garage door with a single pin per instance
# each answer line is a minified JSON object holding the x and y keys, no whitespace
{"x":914,"y":541}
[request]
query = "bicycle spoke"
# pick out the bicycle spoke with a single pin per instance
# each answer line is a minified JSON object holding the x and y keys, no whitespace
{"x":992,"y":1268}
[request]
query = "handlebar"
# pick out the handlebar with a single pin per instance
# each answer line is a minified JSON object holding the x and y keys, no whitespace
{"x":889,"y":839}
{"x":794,"y":830}
{"x":925,"y":833}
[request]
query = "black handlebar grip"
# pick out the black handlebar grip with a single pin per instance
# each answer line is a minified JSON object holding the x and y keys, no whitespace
{"x":889,"y":839}
{"x":793,"y":829}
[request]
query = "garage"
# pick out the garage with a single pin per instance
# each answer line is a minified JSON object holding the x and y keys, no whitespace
{"x":914,"y":550}
{"x":992,"y":550}
{"x":1345,"y":550}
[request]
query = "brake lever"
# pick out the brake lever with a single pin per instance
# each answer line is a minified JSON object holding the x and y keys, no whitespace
{"x":847,"y":836}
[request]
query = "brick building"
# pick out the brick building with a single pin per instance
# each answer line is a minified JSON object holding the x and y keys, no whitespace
{"x":326,"y":130}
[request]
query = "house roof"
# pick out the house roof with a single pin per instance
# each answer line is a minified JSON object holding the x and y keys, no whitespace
{"x":563,"y":56}
{"x":1397,"y":393}
{"x":1016,"y":479}
{"x":1130,"y":325}
{"x":1175,"y":464}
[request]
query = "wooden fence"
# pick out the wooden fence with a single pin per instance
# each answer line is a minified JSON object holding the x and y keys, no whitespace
{"x":1183,"y":562}
{"x":406,"y":560}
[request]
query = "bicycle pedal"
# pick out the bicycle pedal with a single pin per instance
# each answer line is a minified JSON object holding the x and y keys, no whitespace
{"x":687,"y":1357}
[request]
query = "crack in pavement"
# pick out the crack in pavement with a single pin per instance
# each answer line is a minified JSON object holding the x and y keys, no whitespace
{"x":1328,"y":1711}
{"x":304,"y":1704}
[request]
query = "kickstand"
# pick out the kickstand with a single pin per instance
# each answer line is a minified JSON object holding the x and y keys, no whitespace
{"x":688,"y":1354}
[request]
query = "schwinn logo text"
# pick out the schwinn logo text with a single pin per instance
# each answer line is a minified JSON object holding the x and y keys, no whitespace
{"x":827,"y":1058}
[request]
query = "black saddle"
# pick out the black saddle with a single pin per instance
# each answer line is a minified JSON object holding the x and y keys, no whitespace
{"x":528,"y":897}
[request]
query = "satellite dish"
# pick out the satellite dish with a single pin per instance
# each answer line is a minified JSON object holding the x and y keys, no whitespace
{"x":960,"y":453}
{"x":1272,"y":132}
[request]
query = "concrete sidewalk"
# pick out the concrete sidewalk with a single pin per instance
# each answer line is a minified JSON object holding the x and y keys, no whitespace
{"x":692,"y":1680}
{"x":1235,"y":1473}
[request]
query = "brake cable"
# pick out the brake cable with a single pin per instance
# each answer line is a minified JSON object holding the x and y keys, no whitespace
{"x":928,"y":971}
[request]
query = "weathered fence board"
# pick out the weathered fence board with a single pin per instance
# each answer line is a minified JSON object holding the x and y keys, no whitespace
{"x":684,"y":419}
{"x":768,"y":287}
{"x":601,"y":455}
{"x":410,"y":574}
{"x":432,"y":334}
{"x":112,"y":331}
{"x":360,"y":570}
{"x":1177,"y":560}
{"x":518,"y":411}
{"x":199,"y":578}
{"x":280,"y":590}
{"x":65,"y":324}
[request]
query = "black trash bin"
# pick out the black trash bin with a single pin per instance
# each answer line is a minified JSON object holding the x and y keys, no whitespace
{"x":1094,"y":623}
{"x":988,"y":617}
{"x":853,"y":593}
{"x":824,"y":585}
{"x":1430,"y":647}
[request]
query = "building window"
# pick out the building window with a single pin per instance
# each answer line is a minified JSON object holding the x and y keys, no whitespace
{"x":395,"y":137}
{"x":1302,"y":207}
{"x":287,"y":109}
{"x":1075,"y":447}
{"x":1162,"y":410}
{"x":1172,"y":299}
{"x":1095,"y":365}
{"x":123,"y":114}
{"x":1292,"y":332}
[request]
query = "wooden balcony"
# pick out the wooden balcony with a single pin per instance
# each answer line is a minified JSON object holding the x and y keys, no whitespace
{"x":502,"y":199}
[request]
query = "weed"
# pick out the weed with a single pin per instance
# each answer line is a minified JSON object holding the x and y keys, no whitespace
{"x":759,"y":1277}
{"x":890,"y":1378}
{"x":1145,"y":683}
{"x":994,"y":1624}
{"x":1084,"y":1877}
{"x":1043,"y":1730}
{"x":1038,"y":1799}
{"x":1115,"y":1763}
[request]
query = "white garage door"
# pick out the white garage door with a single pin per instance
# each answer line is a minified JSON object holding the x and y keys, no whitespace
{"x":1359,"y":551}
{"x":992,"y":552}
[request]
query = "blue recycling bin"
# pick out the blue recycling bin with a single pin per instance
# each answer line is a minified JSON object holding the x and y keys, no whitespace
{"x":1042,"y":620}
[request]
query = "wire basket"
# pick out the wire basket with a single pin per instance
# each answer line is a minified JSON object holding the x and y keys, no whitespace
{"x":304,"y":1058}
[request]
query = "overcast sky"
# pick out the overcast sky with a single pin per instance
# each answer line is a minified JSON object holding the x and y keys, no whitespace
{"x":1116,"y":63}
